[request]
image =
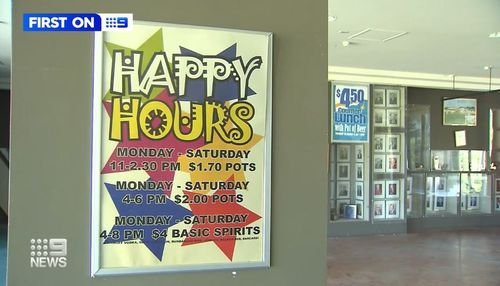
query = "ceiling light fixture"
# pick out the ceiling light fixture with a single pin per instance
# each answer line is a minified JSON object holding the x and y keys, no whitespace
{"x":494,"y":35}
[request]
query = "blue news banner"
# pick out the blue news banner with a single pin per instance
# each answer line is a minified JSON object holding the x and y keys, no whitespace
{"x":76,"y":22}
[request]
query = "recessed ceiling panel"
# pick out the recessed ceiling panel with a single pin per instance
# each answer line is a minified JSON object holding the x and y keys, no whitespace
{"x":377,"y":35}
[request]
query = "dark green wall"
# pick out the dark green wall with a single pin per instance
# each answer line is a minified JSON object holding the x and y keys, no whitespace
{"x":443,"y":137}
{"x":4,"y":117}
{"x":51,"y":128}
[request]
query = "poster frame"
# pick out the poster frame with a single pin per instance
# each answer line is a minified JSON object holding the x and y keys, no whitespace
{"x":96,"y":144}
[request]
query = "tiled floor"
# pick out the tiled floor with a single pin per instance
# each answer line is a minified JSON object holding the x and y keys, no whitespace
{"x":469,"y":257}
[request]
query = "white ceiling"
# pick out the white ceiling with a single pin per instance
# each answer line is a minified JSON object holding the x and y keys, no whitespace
{"x":5,"y":42}
{"x":448,"y":37}
{"x":444,"y":36}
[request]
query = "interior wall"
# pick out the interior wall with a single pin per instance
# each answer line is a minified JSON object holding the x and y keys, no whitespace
{"x":443,"y":137}
{"x":4,"y":118}
{"x":51,"y":135}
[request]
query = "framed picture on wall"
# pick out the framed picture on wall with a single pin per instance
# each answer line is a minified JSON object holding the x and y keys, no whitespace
{"x":393,"y":163}
{"x":343,"y":153}
{"x":393,"y":143}
{"x":409,"y":200}
{"x":409,"y":185}
{"x":429,"y":202}
{"x":343,"y":171}
{"x":392,"y":189}
{"x":473,"y":202}
{"x":378,"y":163}
{"x":429,"y":184}
{"x":359,"y":168}
{"x":359,"y":209}
{"x":379,"y":97}
{"x":379,"y":117}
{"x":393,"y":98}
{"x":379,"y":143}
{"x":393,"y":118}
{"x":497,"y":203}
{"x":460,"y":111}
{"x":497,"y":185}
{"x":392,"y":209}
{"x":359,"y":190}
{"x":379,"y":209}
{"x":440,"y":185}
{"x":358,"y":153}
{"x":463,"y":202}
{"x":379,"y":189}
{"x":440,"y":203}
{"x":343,"y":189}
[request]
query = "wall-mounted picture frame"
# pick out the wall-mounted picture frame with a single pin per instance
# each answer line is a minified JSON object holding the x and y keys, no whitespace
{"x":392,"y":189}
{"x":439,"y":203}
{"x":409,"y":185}
{"x":497,"y":203}
{"x":429,"y":184}
{"x":393,"y":143}
{"x":341,"y":204}
{"x":359,"y":209}
{"x":379,"y":209}
{"x":393,"y":118}
{"x":379,"y":143}
{"x":393,"y":164}
{"x":440,"y":185}
{"x":379,"y":117}
{"x":343,"y":154}
{"x":393,"y":98}
{"x":460,"y":112}
{"x":359,"y":153}
{"x":359,"y":171}
{"x":473,"y":202}
{"x":497,"y":186}
{"x":343,"y":189}
{"x":392,"y":209}
{"x":360,"y":190}
{"x":343,"y":171}
{"x":429,"y":202}
{"x":379,"y":97}
{"x":409,"y":201}
{"x":463,"y":202}
{"x":379,"y":189}
{"x":460,"y":138}
{"x":378,"y":163}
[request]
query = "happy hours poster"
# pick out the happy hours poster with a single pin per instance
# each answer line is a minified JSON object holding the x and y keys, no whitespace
{"x":181,"y":146}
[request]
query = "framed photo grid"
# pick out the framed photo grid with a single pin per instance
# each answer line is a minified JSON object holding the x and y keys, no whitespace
{"x":348,"y":179}
{"x":388,"y":107}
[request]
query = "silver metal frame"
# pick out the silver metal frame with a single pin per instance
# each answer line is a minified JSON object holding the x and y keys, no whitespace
{"x":95,"y":243}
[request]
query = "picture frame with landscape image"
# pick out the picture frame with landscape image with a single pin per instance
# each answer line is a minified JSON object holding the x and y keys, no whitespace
{"x":460,"y":112}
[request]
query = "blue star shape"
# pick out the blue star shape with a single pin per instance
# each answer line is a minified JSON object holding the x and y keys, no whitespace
{"x":223,"y":90}
{"x":168,"y":209}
